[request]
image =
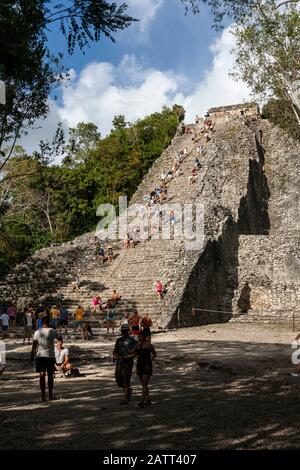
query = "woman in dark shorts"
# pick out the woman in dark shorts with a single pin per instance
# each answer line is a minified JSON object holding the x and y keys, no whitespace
{"x":145,"y":354}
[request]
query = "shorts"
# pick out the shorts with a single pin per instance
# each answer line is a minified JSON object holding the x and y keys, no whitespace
{"x":123,"y":373}
{"x":4,"y":327}
{"x":63,"y":322}
{"x":54,"y":323}
{"x":78,"y":323}
{"x":144,"y":368}
{"x":147,"y":331}
{"x":45,"y":364}
{"x":28,"y":330}
{"x":135,"y":330}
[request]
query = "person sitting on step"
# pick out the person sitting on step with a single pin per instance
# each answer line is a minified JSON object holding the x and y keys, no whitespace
{"x":115,"y":296}
{"x":62,"y":357}
{"x":96,"y":303}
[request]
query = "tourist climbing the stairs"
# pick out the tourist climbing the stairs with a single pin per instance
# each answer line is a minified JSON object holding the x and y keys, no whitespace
{"x":110,"y":317}
{"x":110,"y":253}
{"x":79,"y":312}
{"x":193,"y":176}
{"x":63,"y":318}
{"x":159,"y":288}
{"x":101,"y":255}
{"x":54,"y":317}
{"x":197,"y":163}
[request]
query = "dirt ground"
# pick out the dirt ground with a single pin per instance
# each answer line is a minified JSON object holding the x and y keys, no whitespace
{"x":214,"y":387}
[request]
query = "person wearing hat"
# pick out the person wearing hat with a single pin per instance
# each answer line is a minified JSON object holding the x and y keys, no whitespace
{"x":124,"y":352}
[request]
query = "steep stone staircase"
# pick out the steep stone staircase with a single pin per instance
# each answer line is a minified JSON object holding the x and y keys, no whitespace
{"x":70,"y":272}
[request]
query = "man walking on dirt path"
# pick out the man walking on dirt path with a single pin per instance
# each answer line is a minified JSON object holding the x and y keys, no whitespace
{"x":123,"y":355}
{"x":43,"y":343}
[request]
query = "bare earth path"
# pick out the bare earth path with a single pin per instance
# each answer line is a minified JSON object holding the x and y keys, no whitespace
{"x":214,"y":387}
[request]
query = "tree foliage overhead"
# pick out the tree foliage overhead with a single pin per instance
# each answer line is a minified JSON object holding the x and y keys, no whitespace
{"x":267,"y":51}
{"x":236,"y":10}
{"x":267,"y":34}
{"x":42,"y":203}
{"x":84,"y":21}
{"x":27,"y":66}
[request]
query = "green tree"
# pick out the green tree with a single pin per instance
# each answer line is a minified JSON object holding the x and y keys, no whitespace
{"x":27,"y":66}
{"x":267,"y":53}
{"x":119,"y":122}
{"x":278,"y":111}
{"x":82,"y":140}
{"x":267,"y":34}
{"x":45,"y":203}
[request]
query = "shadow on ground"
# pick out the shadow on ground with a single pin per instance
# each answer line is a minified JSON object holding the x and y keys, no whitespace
{"x":207,"y":395}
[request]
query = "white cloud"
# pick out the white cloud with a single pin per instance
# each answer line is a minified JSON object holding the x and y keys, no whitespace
{"x":103,"y":90}
{"x":217,"y":88}
{"x":100,"y":93}
{"x":145,"y":11}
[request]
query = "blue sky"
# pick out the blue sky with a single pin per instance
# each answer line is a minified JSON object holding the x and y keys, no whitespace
{"x":171,"y":40}
{"x":164,"y":59}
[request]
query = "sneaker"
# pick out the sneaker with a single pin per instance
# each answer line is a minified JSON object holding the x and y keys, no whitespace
{"x":294,"y":374}
{"x":124,"y":402}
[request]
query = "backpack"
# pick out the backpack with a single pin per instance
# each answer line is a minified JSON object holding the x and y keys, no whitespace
{"x":72,"y":373}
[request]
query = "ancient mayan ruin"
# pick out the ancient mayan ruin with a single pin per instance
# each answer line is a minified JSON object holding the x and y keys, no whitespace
{"x":248,"y":267}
